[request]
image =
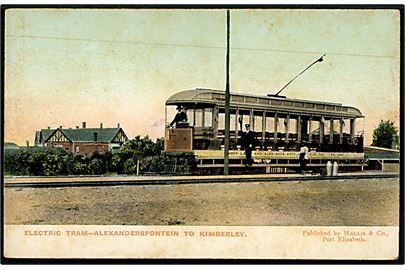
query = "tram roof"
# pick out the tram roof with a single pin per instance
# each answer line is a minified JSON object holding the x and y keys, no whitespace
{"x":217,"y":97}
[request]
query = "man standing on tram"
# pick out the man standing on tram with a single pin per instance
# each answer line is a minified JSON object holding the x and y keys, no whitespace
{"x":181,"y":117}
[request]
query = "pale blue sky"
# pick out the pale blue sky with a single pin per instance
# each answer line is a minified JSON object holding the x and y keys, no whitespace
{"x":64,"y":67}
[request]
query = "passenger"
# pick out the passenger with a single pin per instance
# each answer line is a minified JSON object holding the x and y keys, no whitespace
{"x":303,"y":157}
{"x":248,"y":139}
{"x":181,"y":117}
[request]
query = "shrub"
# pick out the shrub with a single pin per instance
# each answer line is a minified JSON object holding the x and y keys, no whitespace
{"x":97,"y":166}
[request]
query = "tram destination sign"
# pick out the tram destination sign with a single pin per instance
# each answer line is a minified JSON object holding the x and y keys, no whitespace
{"x":218,"y":154}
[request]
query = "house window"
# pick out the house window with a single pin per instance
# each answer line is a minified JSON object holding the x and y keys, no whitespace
{"x":77,"y":149}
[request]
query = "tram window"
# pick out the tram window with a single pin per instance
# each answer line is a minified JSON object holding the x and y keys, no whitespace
{"x":251,"y":100}
{"x":276,"y":102}
{"x":359,"y":124}
{"x":293,"y":125}
{"x":283,"y":124}
{"x":258,"y":123}
{"x":287,"y":103}
{"x":221,"y":121}
{"x":232,"y":121}
{"x":314,"y":127}
{"x":190,"y":116}
{"x":269,"y":124}
{"x":237,"y":98}
{"x":310,"y":105}
{"x":299,"y":104}
{"x":330,"y":107}
{"x":320,"y":106}
{"x":336,"y":126}
{"x":218,"y":96}
{"x":263,"y":101}
{"x":198,"y":118}
{"x":170,"y":113}
{"x":327,"y":127}
{"x":208,"y":117}
{"x":246,"y":120}
{"x":279,"y":124}
{"x":346,"y":126}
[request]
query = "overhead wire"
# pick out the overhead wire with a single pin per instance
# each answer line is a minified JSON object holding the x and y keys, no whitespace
{"x":197,"y":46}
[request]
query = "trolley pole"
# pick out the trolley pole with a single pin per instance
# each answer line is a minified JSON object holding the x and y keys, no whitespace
{"x":227,"y":96}
{"x":317,"y":61}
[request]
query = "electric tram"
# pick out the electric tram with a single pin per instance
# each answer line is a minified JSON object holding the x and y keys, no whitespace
{"x":281,"y":126}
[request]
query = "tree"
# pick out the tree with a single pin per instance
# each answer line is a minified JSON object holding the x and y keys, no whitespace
{"x":52,"y":164}
{"x":77,"y":165}
{"x":386,"y":135}
{"x":15,"y":163}
{"x":55,"y":161}
{"x":138,"y":149}
{"x":35,"y":161}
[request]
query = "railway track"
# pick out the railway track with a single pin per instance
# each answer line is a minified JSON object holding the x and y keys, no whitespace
{"x":177,"y":180}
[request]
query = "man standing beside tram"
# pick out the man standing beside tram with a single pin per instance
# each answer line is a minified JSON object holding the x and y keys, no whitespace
{"x":303,"y":157}
{"x":247,"y":142}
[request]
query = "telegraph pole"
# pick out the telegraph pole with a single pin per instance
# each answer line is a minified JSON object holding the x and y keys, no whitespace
{"x":227,"y":95}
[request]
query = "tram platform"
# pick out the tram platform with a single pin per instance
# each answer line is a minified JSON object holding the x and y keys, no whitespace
{"x":62,"y":181}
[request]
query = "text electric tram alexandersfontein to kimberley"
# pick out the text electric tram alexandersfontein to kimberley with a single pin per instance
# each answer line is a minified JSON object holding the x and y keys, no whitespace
{"x":280,"y":124}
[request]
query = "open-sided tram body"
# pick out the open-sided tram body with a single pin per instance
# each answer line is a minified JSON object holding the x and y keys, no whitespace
{"x":280,"y":124}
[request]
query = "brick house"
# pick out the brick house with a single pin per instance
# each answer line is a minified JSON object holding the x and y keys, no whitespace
{"x":83,"y":141}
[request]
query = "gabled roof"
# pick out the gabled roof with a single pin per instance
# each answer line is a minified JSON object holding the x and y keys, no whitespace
{"x":46,"y":133}
{"x":87,"y":134}
{"x":105,"y":135}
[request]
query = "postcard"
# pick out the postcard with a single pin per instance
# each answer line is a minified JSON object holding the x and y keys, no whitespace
{"x":190,"y":132}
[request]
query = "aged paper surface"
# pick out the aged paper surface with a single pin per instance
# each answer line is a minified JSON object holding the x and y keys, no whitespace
{"x":120,"y":66}
{"x":229,"y":242}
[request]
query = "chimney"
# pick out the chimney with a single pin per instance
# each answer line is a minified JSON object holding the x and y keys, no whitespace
{"x":101,"y":125}
{"x":77,"y":127}
{"x":84,"y":124}
{"x":95,"y":136}
{"x":60,"y":127}
{"x":118,"y":125}
{"x":28,"y":143}
{"x":49,"y":127}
